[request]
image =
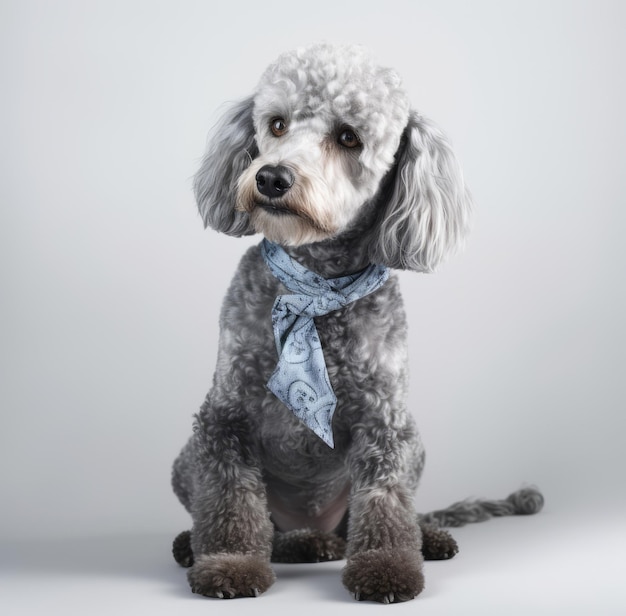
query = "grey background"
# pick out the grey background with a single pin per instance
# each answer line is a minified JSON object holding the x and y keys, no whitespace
{"x":111,"y":288}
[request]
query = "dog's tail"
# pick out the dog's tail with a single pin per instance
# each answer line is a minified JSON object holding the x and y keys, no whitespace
{"x":526,"y":501}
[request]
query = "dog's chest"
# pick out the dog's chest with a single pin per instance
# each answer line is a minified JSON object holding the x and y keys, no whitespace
{"x":364,"y":348}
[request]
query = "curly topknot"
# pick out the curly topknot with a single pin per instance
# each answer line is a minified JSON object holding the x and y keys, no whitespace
{"x":338,"y":81}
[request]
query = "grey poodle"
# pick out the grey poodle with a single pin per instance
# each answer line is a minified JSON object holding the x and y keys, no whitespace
{"x":304,"y":449}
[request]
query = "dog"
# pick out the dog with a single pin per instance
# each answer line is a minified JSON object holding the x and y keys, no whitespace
{"x":345,"y":181}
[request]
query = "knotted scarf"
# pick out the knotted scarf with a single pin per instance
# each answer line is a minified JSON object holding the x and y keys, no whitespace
{"x":300,"y":379}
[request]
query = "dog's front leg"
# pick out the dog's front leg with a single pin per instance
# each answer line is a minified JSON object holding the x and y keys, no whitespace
{"x":232,"y":533}
{"x":384,"y":539}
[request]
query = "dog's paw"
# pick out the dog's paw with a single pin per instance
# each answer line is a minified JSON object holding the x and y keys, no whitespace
{"x":307,"y":546}
{"x":227,"y":576}
{"x":437,"y":544}
{"x":386,"y":576}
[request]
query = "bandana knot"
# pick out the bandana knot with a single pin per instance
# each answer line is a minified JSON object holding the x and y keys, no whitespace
{"x":300,"y":379}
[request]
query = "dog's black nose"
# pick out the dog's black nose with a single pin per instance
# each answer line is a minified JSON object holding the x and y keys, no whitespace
{"x":273,"y":181}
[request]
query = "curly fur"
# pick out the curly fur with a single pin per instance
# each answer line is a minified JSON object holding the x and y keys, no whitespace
{"x":258,"y":483}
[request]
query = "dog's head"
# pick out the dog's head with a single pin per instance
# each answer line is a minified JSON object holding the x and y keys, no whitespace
{"x":327,"y":138}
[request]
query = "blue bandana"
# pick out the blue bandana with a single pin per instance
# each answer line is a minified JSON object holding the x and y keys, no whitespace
{"x":300,"y":379}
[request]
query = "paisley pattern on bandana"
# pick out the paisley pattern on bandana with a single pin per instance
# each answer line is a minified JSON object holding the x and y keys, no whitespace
{"x":300,"y":379}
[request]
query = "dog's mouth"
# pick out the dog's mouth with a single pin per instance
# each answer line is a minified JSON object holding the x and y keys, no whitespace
{"x":276,"y":209}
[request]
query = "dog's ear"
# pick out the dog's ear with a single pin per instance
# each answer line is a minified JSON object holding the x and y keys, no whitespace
{"x":425,"y":206}
{"x":231,"y":148}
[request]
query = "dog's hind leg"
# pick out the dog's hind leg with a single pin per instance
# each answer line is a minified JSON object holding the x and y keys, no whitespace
{"x":437,"y":544}
{"x":181,"y":549}
{"x":182,"y":475}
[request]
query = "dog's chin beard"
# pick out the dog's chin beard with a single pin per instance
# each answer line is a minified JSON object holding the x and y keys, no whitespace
{"x":284,"y":226}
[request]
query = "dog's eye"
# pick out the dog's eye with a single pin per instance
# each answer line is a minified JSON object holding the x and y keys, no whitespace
{"x":348,"y":138}
{"x":278,"y":126}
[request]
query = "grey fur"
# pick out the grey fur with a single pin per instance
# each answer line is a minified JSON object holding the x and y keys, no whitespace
{"x":523,"y":502}
{"x":231,"y":146}
{"x":426,"y":215}
{"x":255,"y":480}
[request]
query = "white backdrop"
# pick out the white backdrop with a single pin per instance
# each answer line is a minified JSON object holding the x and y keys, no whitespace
{"x":111,"y":288}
